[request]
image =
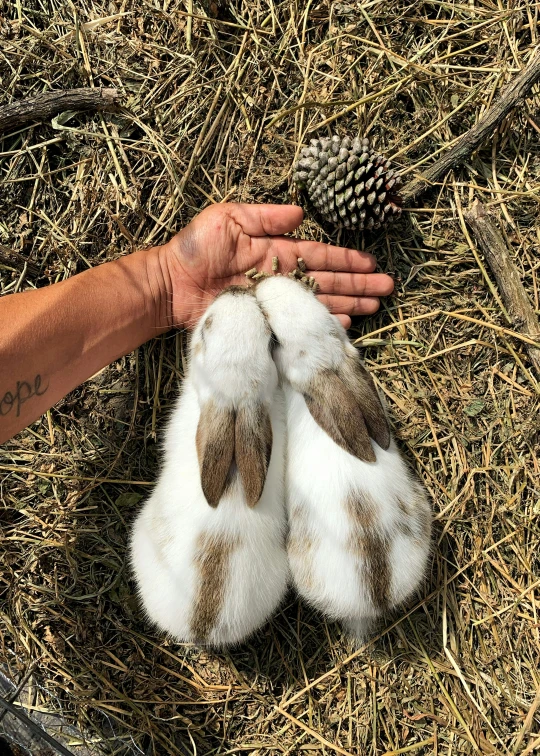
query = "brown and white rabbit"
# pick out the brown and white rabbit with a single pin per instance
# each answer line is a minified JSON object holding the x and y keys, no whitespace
{"x":359,"y":522}
{"x":208,"y":547}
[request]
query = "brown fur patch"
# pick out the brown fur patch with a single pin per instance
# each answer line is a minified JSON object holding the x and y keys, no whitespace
{"x":422,"y":509}
{"x":405,"y":528}
{"x":336,"y":411}
{"x":360,"y":383}
{"x":215,"y":450}
{"x":406,"y":521}
{"x":300,"y":540}
{"x":415,"y":522}
{"x":403,"y":507}
{"x":377,"y":555}
{"x":361,"y":510}
{"x":212,"y":561}
{"x":424,"y":518}
{"x":208,"y":322}
{"x":371,"y":547}
{"x":253,"y":447}
{"x":301,"y":545}
{"x":197,"y":349}
{"x":237,"y":290}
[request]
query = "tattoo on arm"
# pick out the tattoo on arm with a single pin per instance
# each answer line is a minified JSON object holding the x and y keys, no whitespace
{"x":14,"y":400}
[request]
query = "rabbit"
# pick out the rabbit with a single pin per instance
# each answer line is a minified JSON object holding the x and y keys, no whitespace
{"x":208,"y":547}
{"x":359,"y":522}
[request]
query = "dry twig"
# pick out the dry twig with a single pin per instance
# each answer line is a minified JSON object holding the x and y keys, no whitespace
{"x":499,"y":257}
{"x":40,"y":108}
{"x":13,"y":260}
{"x":511,"y":96}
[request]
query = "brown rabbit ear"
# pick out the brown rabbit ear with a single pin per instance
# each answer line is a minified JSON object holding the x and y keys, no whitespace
{"x":215,"y":449}
{"x":253,"y":446}
{"x":334,"y":407}
{"x":360,"y":383}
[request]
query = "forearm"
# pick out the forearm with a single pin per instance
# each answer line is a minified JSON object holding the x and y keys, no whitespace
{"x":53,"y":339}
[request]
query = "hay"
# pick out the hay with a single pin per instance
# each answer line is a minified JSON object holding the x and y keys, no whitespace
{"x":217,"y":109}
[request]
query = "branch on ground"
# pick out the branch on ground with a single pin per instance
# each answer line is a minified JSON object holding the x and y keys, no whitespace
{"x":499,"y":258}
{"x":21,"y":112}
{"x":13,"y":260}
{"x":512,"y":96}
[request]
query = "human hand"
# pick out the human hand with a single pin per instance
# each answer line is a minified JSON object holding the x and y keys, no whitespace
{"x":224,"y":241}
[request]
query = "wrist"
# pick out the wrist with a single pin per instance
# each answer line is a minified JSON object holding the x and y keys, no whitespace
{"x":181,"y":289}
{"x":160,"y":284}
{"x":154,"y":287}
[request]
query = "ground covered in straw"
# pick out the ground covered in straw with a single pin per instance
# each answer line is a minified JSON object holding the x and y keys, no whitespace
{"x":217,"y":106}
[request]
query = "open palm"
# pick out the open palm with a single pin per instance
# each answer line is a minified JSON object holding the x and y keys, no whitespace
{"x":224,"y":241}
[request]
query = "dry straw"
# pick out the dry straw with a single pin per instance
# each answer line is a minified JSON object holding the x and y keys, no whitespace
{"x":218,"y":109}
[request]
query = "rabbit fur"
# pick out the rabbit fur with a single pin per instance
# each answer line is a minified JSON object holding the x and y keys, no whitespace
{"x":359,"y":522}
{"x":208,"y":547}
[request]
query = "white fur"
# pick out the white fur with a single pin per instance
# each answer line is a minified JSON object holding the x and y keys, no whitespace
{"x":230,"y":364}
{"x":321,"y":477}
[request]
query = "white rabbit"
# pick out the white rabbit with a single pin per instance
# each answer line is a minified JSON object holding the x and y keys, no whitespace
{"x":208,"y":547}
{"x":359,"y":523}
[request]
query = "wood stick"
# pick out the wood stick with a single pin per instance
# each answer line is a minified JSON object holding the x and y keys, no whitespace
{"x":16,"y":261}
{"x":512,"y":95}
{"x":499,"y":258}
{"x":44,"y":106}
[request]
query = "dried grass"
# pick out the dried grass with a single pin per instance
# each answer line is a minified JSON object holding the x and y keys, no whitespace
{"x":217,"y":110}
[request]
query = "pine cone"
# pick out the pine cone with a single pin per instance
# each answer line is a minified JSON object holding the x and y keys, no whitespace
{"x":349,"y":183}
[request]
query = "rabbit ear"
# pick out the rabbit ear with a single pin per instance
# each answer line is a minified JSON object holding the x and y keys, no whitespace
{"x":346,"y":405}
{"x":360,"y":383}
{"x":215,"y":449}
{"x":253,"y":446}
{"x":333,"y":406}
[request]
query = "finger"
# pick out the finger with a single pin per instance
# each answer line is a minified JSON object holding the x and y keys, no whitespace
{"x":344,"y":320}
{"x":350,"y":305}
{"x":354,"y":284}
{"x":266,"y":220}
{"x":319,"y":256}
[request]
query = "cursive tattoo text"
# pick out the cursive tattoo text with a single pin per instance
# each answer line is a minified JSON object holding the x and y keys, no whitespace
{"x":14,"y":400}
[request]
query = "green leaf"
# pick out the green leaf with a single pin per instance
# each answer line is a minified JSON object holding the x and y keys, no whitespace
{"x":43,"y":486}
{"x":62,"y":118}
{"x":475,"y":407}
{"x":128,"y":499}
